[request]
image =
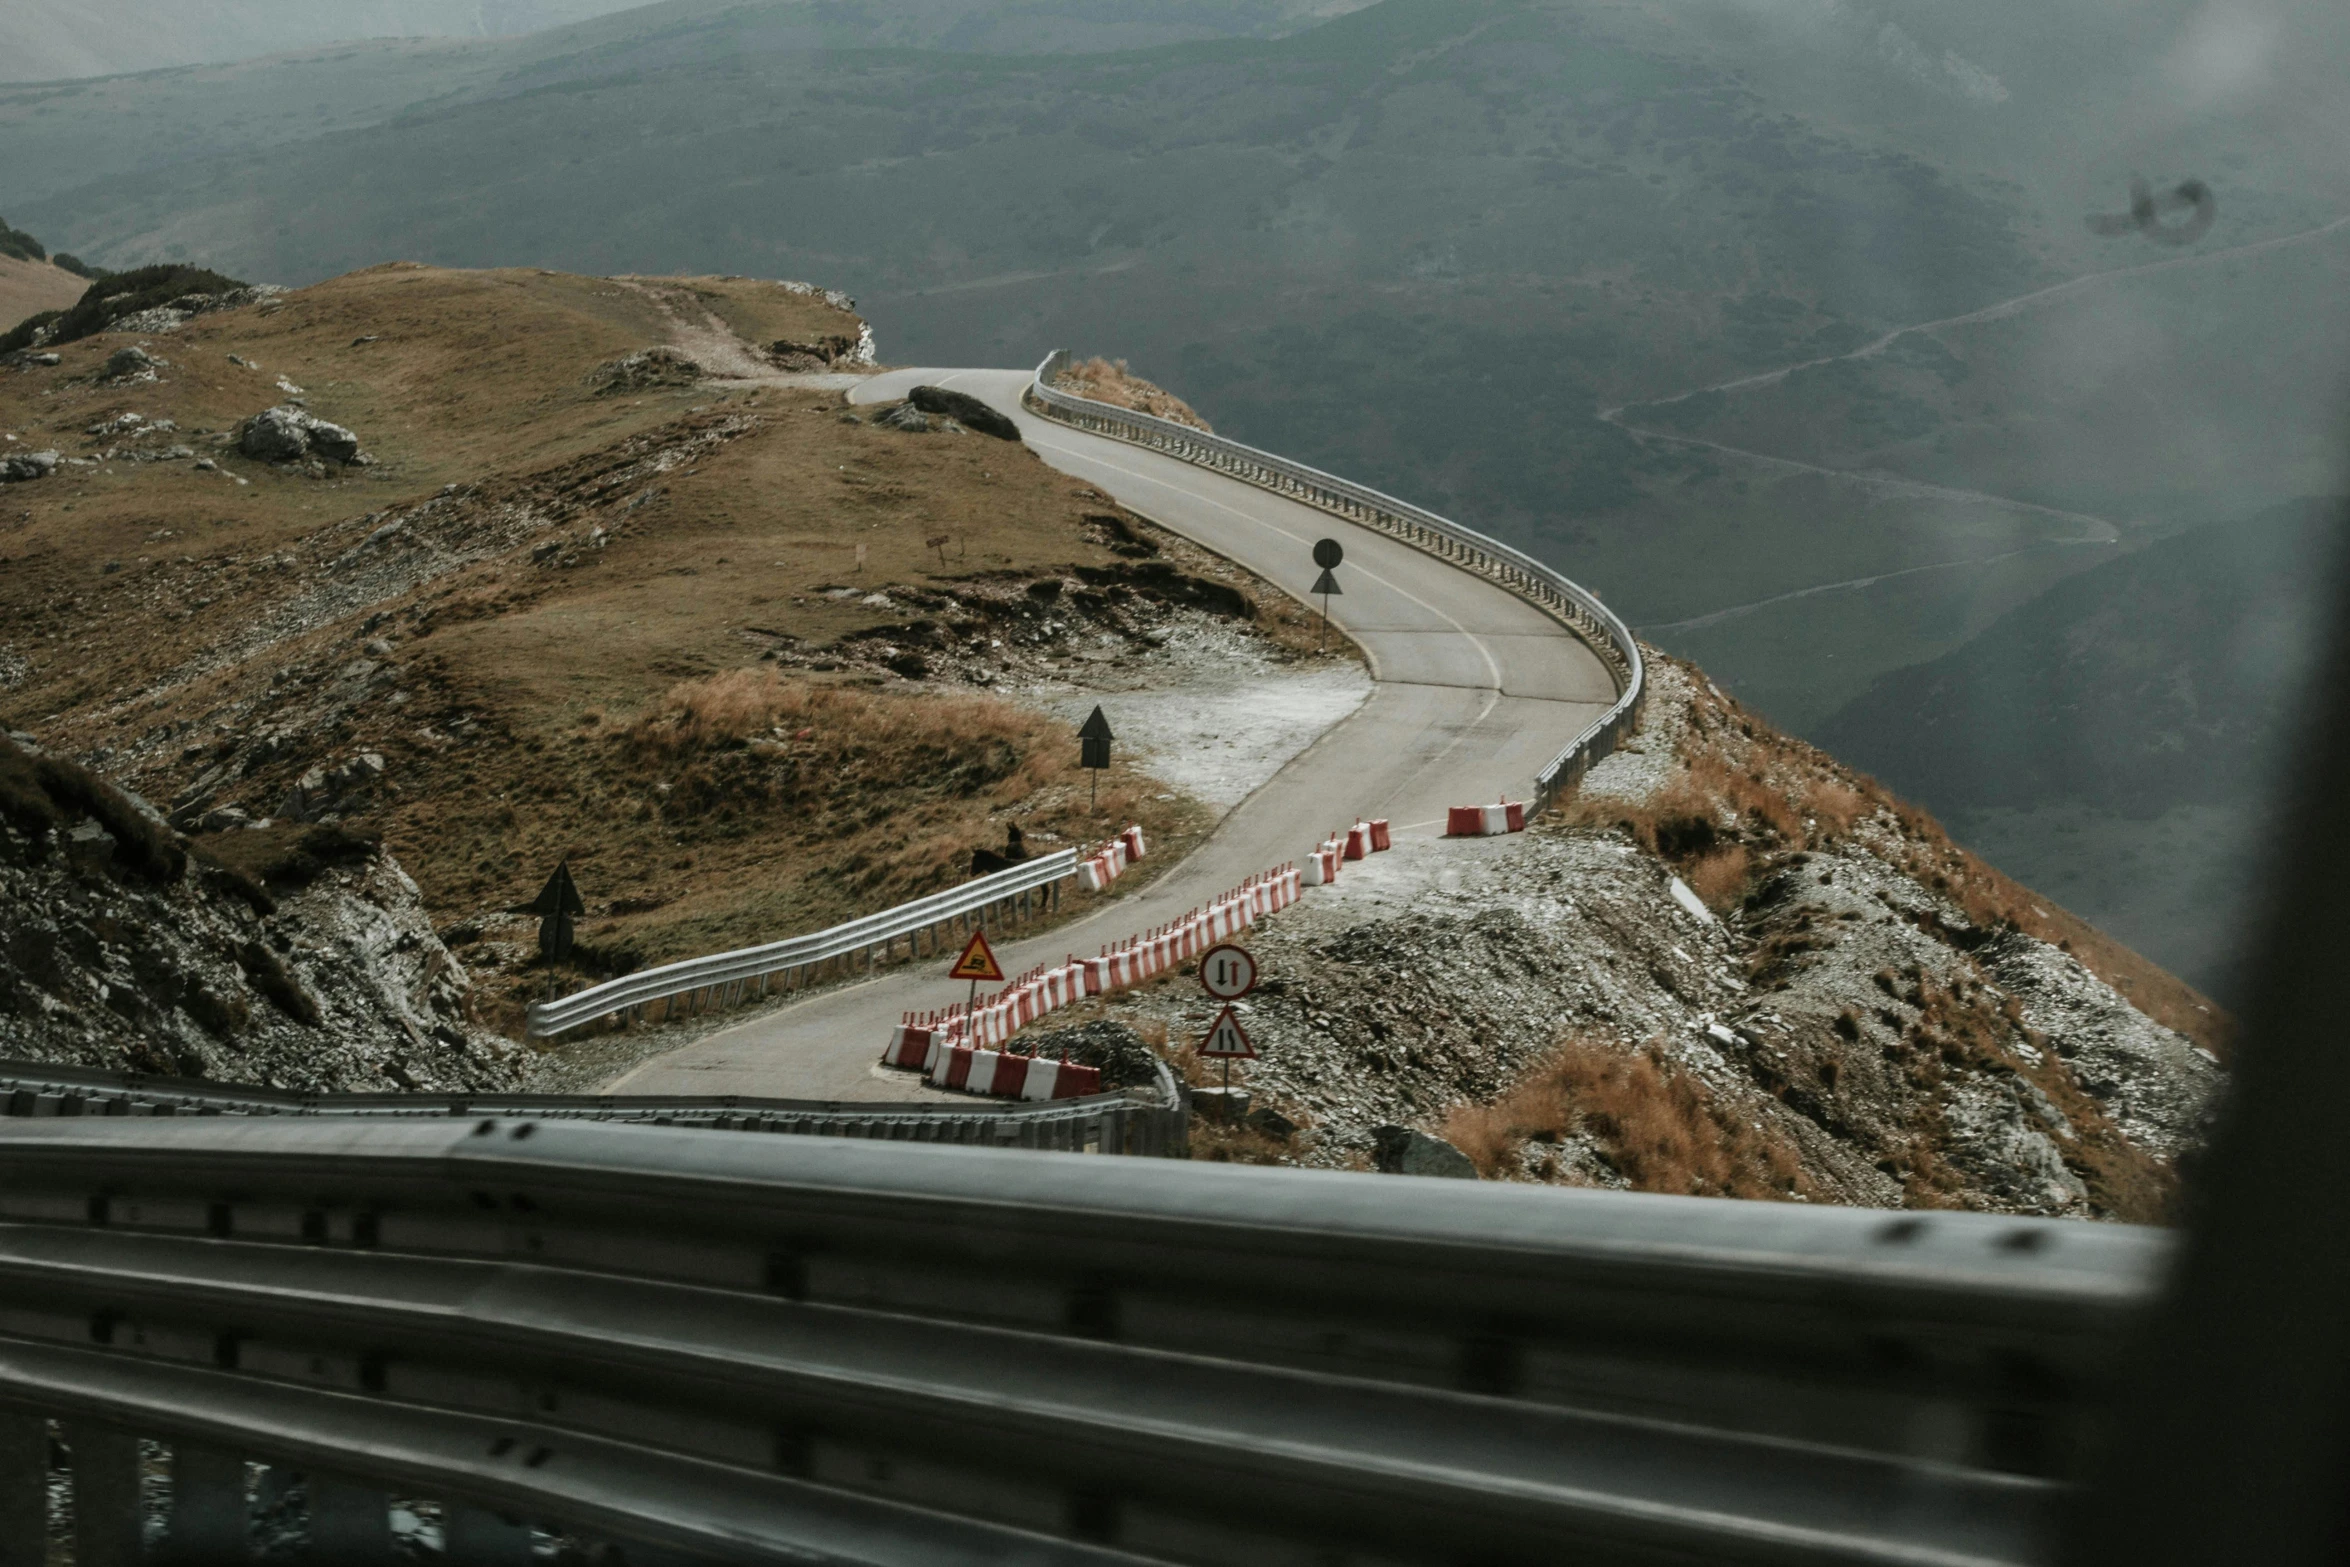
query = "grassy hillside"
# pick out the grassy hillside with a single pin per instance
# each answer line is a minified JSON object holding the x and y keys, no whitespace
{"x":719,"y":644}
{"x":34,"y":287}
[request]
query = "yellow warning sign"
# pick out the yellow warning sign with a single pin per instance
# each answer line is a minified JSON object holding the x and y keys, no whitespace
{"x":977,"y":962}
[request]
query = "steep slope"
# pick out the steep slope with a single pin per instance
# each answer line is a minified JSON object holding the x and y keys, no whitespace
{"x":1854,"y":1011}
{"x":308,"y":965}
{"x":2150,"y":699}
{"x":33,"y":287}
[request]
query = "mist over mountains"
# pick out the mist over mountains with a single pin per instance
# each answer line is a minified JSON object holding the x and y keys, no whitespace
{"x":1624,"y":283}
{"x":52,"y":40}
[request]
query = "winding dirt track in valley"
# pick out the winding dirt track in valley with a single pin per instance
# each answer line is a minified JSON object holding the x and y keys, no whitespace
{"x":2098,"y":530}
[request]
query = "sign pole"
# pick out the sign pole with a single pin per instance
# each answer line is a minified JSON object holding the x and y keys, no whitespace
{"x":1327,"y":554}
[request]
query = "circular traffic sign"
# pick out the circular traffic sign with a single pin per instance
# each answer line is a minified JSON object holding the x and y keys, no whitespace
{"x":1227,"y":972}
{"x":1327,"y":553}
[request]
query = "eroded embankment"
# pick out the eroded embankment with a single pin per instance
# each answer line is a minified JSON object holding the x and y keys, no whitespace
{"x":1729,"y":966}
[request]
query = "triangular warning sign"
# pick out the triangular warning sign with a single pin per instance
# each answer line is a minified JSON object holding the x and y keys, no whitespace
{"x":1227,"y":1040}
{"x":978,"y":961}
{"x":1327,"y":584}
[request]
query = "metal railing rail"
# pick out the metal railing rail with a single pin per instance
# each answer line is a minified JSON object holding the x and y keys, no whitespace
{"x":1572,"y":605}
{"x":731,"y":974}
{"x":758,"y":1350}
{"x":1151,"y":1122}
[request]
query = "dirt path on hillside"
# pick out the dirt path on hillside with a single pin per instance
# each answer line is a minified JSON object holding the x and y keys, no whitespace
{"x":2103,"y":529}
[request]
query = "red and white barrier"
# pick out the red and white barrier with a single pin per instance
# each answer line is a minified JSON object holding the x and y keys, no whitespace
{"x":1485,"y":821}
{"x":909,"y":1046}
{"x":1381,"y":839}
{"x":962,"y":1046}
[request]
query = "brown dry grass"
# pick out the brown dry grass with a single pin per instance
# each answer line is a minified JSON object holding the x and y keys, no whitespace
{"x":1110,"y":381}
{"x":1961,"y":1028}
{"x":1658,"y":1126}
{"x":29,"y":287}
{"x":1748,"y":794}
{"x":600,"y":709}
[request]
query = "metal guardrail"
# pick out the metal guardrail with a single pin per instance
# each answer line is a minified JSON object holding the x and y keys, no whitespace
{"x":1153,"y":1122}
{"x":679,"y":1348}
{"x":729,"y":976}
{"x":1573,"y":606}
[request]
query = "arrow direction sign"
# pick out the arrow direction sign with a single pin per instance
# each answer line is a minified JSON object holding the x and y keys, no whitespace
{"x":977,"y":962}
{"x":1227,"y":972}
{"x":557,"y":905}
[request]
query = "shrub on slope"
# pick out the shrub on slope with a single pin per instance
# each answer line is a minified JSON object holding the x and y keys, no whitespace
{"x":118,"y":295}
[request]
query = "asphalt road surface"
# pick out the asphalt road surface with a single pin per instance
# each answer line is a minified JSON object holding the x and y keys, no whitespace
{"x":1475,"y":692}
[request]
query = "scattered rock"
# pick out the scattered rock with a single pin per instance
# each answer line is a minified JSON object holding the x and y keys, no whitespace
{"x":288,"y":434}
{"x":322,"y":791}
{"x":22,"y":467}
{"x":1125,"y":1060}
{"x":819,"y":354}
{"x":912,"y":420}
{"x":1402,"y":1150}
{"x":130,"y":366}
{"x":964,"y":409}
{"x":646,"y":370}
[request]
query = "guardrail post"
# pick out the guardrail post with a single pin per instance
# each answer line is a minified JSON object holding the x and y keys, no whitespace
{"x":106,"y":1523}
{"x":474,"y":1537}
{"x":211,"y":1522}
{"x":24,"y":1491}
{"x":350,"y":1524}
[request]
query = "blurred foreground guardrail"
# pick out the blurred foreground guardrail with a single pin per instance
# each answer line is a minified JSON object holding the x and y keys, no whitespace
{"x":1573,"y":606}
{"x":665,"y":1346}
{"x":726,"y":977}
{"x":1152,"y":1121}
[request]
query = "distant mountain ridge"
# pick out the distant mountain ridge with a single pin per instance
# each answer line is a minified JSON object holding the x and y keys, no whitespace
{"x":54,"y":40}
{"x":2166,"y":677}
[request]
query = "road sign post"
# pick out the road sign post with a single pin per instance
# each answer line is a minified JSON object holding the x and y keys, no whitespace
{"x":1227,"y":1041}
{"x":1093,"y":751}
{"x":1227,"y":972}
{"x":977,"y":963}
{"x":1327,"y":554}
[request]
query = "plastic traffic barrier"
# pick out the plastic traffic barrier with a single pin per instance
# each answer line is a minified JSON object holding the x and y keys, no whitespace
{"x":1381,"y":839}
{"x":909,"y":1045}
{"x":1358,"y":841}
{"x":1485,"y":821}
{"x":962,"y":1046}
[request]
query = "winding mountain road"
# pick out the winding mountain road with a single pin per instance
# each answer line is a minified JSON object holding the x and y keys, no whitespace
{"x":1474,"y":692}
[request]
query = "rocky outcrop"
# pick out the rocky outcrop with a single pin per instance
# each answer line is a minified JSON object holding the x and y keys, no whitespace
{"x":645,"y":370}
{"x":1404,"y":1150}
{"x":303,"y":961}
{"x":289,"y":434}
{"x":1848,"y":1013}
{"x":131,"y":366}
{"x":965,"y":410}
{"x":22,"y":467}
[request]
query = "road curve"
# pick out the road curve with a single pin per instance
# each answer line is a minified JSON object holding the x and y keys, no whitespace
{"x":1475,"y":691}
